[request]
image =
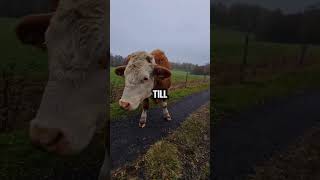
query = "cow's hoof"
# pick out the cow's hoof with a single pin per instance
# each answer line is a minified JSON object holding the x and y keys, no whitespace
{"x":142,"y":124}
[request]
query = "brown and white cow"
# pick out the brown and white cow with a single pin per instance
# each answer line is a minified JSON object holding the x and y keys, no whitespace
{"x":144,"y":72}
{"x":73,"y":104}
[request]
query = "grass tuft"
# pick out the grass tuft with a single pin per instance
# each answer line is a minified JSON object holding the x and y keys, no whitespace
{"x":162,"y":161}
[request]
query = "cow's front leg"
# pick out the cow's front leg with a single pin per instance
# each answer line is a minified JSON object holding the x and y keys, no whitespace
{"x":143,"y":118}
{"x":166,"y":113}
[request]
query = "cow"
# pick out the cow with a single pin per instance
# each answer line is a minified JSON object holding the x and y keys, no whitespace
{"x":73,"y":104}
{"x":144,"y":72}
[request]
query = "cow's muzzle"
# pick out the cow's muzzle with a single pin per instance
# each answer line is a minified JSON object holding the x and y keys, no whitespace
{"x":123,"y":104}
{"x":49,"y":139}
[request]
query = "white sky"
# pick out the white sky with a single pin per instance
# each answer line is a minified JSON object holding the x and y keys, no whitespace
{"x":179,"y":27}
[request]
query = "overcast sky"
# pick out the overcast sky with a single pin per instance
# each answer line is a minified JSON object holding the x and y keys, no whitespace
{"x":179,"y":27}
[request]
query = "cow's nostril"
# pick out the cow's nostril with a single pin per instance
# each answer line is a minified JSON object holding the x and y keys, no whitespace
{"x":45,"y":136}
{"x":124,"y":104}
{"x":55,"y":139}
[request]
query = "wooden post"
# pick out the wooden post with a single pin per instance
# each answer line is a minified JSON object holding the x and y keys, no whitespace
{"x":244,"y":58}
{"x":186,"y":79}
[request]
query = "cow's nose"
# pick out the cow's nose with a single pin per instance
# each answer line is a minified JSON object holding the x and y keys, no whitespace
{"x":124,"y":104}
{"x":48,"y":138}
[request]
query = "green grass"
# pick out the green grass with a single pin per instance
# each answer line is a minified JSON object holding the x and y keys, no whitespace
{"x":117,"y":112}
{"x":162,"y":161}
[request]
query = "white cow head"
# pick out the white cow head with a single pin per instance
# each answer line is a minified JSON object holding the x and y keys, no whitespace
{"x":74,"y":99}
{"x":139,"y":74}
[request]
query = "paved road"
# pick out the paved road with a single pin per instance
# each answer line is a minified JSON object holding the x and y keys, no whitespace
{"x":128,"y":140}
{"x":249,"y":138}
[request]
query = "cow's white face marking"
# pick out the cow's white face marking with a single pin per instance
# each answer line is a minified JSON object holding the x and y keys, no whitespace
{"x":73,"y":102}
{"x":139,"y":82}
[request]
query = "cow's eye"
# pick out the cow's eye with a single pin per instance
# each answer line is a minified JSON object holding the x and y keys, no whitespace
{"x":145,"y":79}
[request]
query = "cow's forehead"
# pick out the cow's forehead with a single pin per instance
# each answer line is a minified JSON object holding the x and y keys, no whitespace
{"x":137,"y":68}
{"x":140,"y":55}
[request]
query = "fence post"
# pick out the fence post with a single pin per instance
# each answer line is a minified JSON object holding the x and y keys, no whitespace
{"x":244,"y":58}
{"x":186,"y":79}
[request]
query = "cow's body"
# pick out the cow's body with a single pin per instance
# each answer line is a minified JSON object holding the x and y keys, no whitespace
{"x":163,"y":61}
{"x":144,"y":72}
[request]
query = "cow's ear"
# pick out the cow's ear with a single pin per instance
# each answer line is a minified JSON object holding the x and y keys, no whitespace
{"x":161,"y":72}
{"x":120,"y":70}
{"x":149,"y":58}
{"x":127,"y":59}
{"x":31,"y":29}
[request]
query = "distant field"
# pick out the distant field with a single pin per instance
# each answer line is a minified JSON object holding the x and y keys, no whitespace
{"x":227,"y":47}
